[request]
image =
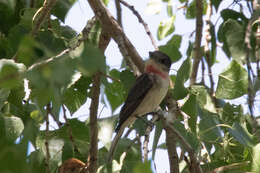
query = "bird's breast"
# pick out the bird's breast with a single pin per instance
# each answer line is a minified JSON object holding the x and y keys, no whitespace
{"x":154,"y":97}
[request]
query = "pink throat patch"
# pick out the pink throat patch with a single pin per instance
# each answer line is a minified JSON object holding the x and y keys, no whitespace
{"x":152,"y":69}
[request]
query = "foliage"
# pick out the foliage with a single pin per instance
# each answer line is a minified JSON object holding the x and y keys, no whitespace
{"x":37,"y":83}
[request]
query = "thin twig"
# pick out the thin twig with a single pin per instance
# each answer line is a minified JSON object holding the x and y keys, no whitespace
{"x":197,"y":44}
{"x":231,"y":167}
{"x":119,"y":13}
{"x":44,"y":12}
{"x":147,"y":136}
{"x":110,"y":25}
{"x":85,"y":33}
{"x":206,"y":48}
{"x":140,"y":19}
{"x":69,"y":129}
{"x":47,"y":159}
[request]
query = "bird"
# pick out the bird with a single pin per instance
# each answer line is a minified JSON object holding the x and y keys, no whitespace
{"x":145,"y":95}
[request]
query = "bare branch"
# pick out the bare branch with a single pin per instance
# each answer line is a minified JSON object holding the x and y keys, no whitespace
{"x":140,"y":19}
{"x":44,"y":12}
{"x":230,"y":167}
{"x":111,"y":26}
{"x":69,"y":129}
{"x":85,"y":33}
{"x":197,"y":52}
{"x":147,"y":136}
{"x":47,"y":159}
{"x":118,"y":13}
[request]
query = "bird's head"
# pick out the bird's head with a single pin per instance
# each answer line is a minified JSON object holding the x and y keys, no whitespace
{"x":159,"y":63}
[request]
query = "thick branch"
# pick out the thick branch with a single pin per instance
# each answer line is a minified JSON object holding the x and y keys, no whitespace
{"x":197,"y":52}
{"x":110,"y":25}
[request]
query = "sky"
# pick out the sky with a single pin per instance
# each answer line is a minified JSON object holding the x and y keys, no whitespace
{"x":81,"y":12}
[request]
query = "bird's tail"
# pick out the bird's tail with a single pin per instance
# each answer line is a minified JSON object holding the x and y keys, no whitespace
{"x":114,"y":144}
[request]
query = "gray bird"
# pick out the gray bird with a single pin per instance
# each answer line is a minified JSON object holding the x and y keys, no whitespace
{"x":146,"y":94}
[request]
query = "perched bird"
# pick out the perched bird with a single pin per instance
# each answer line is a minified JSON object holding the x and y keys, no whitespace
{"x":146,"y":94}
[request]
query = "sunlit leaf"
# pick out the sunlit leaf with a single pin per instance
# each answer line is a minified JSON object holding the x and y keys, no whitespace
{"x":153,"y":7}
{"x":256,"y":159}
{"x":203,"y":98}
{"x":166,"y":27}
{"x":143,"y":167}
{"x":232,"y":82}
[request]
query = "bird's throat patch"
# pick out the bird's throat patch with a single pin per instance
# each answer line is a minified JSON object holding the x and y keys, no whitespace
{"x":152,"y":69}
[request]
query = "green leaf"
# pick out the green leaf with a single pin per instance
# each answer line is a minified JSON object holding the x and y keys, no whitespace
{"x":36,"y":162}
{"x":7,"y":17}
{"x":242,"y":135}
{"x":216,"y":3}
{"x":187,"y":135}
{"x":4,"y":93}
{"x":234,"y":34}
{"x":13,"y":127}
{"x":232,"y":14}
{"x":51,"y":45}
{"x":256,"y":159}
{"x":172,"y":48}
{"x":209,"y":131}
{"x":48,"y":79}
{"x":179,"y":91}
{"x":11,"y":74}
{"x":91,"y":60}
{"x":29,"y":51}
{"x":127,"y":78}
{"x":203,"y":98}
{"x":61,"y":8}
{"x":157,"y":134}
{"x":166,"y":27}
{"x":76,"y":95}
{"x":115,"y":91}
{"x":191,"y":10}
{"x":141,"y":167}
{"x":190,"y":108}
{"x":153,"y":7}
{"x":232,"y":82}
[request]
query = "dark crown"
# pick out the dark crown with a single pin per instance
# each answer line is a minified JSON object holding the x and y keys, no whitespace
{"x":161,"y":58}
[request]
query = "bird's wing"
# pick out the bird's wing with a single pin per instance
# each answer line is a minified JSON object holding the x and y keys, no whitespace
{"x":135,"y":96}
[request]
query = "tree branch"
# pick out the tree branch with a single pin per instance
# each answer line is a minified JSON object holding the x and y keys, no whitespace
{"x":75,"y":148}
{"x":140,"y":19}
{"x":93,"y":151}
{"x":119,"y":13}
{"x":147,"y":136}
{"x":85,"y":33}
{"x":110,"y":25}
{"x":47,"y":159}
{"x":44,"y":11}
{"x":197,"y":52}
